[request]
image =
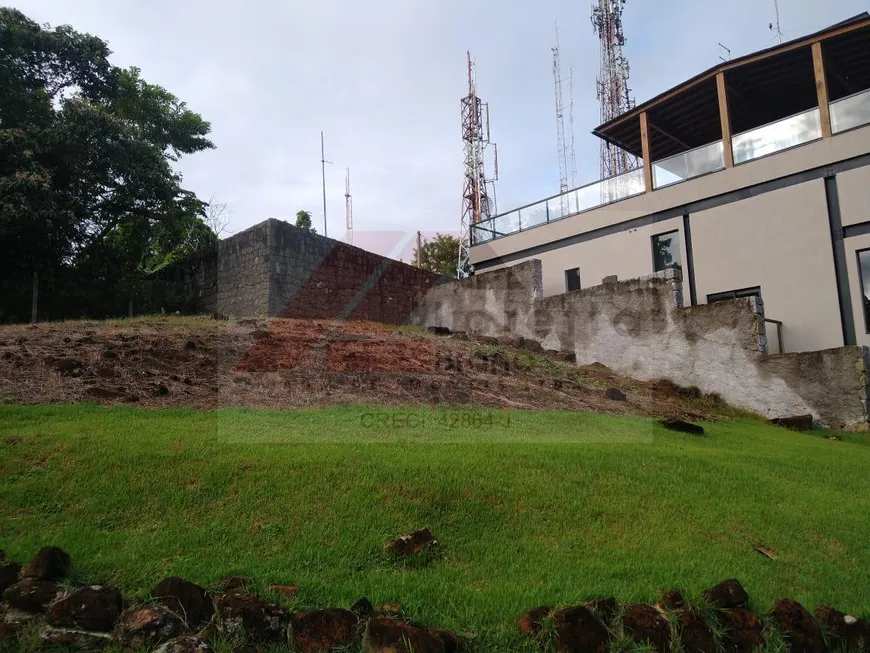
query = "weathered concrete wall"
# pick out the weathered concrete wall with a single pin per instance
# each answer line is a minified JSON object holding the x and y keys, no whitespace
{"x":273,"y":269}
{"x":315,"y":277}
{"x":640,"y":328}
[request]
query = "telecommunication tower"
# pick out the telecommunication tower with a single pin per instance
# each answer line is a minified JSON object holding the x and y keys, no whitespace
{"x":561,"y":145}
{"x":348,"y":209}
{"x":476,"y":204}
{"x":614,"y":94}
{"x":573,"y":159}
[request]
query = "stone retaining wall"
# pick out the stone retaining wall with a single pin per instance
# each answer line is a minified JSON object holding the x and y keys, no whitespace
{"x":640,"y":328}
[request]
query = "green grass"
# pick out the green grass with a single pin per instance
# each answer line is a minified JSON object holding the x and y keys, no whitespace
{"x":530,"y":508}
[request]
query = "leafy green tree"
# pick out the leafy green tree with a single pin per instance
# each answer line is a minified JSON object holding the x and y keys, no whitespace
{"x":440,"y":255}
{"x":303,"y":221}
{"x":88,"y":195}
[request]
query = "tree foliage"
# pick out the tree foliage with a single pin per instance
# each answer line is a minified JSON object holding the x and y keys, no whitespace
{"x":88,"y":195}
{"x":303,"y":221}
{"x":440,"y":255}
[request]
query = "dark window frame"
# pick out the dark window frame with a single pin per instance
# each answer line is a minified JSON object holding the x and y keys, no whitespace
{"x":652,"y":244}
{"x":739,"y":293}
{"x":858,"y":253}
{"x":568,"y":287}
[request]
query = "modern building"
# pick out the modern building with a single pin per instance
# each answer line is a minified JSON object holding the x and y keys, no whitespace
{"x":755,"y":181}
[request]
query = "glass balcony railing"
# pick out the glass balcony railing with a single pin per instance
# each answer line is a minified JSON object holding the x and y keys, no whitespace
{"x":700,"y":161}
{"x":561,"y":206}
{"x":783,"y":134}
{"x":849,"y":112}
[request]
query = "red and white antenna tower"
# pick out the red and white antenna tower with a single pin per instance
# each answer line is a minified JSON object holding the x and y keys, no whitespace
{"x":613,"y":92}
{"x":476,"y":204}
{"x":348,"y":209}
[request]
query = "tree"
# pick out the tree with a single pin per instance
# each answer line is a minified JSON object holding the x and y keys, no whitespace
{"x":440,"y":255}
{"x":303,"y":221}
{"x":89,"y":198}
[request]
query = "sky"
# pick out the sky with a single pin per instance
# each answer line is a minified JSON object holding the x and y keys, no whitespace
{"x":383,"y":80}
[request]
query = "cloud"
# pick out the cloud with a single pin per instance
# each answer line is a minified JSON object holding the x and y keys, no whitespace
{"x":383,"y":79}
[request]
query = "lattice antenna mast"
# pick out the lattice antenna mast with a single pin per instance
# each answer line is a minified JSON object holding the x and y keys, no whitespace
{"x":614,"y":94}
{"x":573,"y":155}
{"x":561,"y":145}
{"x":476,"y":205}
{"x":776,"y":25}
{"x":348,"y":208}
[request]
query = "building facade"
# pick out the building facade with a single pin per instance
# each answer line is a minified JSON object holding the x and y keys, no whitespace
{"x":755,"y":182}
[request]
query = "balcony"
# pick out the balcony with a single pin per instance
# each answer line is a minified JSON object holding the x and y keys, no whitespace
{"x":850,"y":112}
{"x":585,"y":198}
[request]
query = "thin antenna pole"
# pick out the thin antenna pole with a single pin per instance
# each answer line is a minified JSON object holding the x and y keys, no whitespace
{"x":348,"y":209}
{"x":571,"y":127}
{"x":778,"y":30}
{"x":323,"y":172}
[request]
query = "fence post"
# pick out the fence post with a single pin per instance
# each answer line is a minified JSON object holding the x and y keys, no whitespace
{"x":35,"y":296}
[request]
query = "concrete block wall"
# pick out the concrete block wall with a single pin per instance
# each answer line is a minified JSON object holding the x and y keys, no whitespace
{"x":641,"y":329}
{"x":276,"y":269}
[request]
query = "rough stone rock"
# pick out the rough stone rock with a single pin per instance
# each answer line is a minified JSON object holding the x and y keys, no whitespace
{"x":415,"y":542}
{"x":248,"y":614}
{"x":234,"y":583}
{"x":438,"y":330}
{"x":383,"y":635}
{"x":799,"y":627}
{"x":532,"y":621}
{"x":672,"y":600}
{"x":9,"y":575}
{"x":682,"y":426}
{"x":744,"y":631}
{"x":727,"y":594}
{"x":795,"y":423}
{"x":187,"y":644}
{"x":89,"y":608}
{"x":186,"y":599}
{"x":451,"y":641}
{"x":31,"y":595}
{"x":144,"y":626}
{"x":569,"y":356}
{"x":71,"y":637}
{"x":68,"y":367}
{"x":606,"y":607}
{"x":845,"y":629}
{"x":288,"y":592}
{"x":362,"y":608}
{"x":50,"y":563}
{"x":578,"y":630}
{"x":322,"y":630}
{"x":646,"y":624}
{"x":615,"y":394}
{"x":695,"y":634}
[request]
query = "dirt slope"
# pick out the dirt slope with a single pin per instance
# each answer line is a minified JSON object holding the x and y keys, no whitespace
{"x":202,"y":363}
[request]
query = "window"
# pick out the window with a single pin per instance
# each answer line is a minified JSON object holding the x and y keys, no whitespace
{"x":864,"y":279}
{"x":572,"y":279}
{"x":666,"y":251}
{"x":734,"y":294}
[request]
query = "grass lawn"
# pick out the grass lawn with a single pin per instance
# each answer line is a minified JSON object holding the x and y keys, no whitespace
{"x":530,"y":508}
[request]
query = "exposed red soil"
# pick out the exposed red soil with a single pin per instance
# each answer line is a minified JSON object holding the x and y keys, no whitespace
{"x":283,"y":363}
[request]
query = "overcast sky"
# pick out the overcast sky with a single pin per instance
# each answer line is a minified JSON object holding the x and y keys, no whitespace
{"x":383,"y":80}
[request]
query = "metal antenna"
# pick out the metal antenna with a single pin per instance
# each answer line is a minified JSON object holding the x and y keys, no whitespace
{"x":323,"y":163}
{"x":727,"y":56}
{"x":561,"y":147}
{"x":573,"y":160}
{"x":348,"y":209}
{"x":614,"y":94}
{"x":475,"y":196}
{"x":778,"y":30}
